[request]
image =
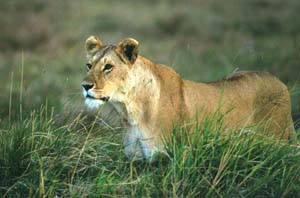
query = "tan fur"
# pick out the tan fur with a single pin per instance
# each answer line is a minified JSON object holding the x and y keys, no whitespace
{"x":152,"y":98}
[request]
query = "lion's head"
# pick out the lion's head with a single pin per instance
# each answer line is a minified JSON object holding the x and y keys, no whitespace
{"x":108,"y":70}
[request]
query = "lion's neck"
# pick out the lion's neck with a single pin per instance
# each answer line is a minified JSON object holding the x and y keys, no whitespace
{"x":142,"y":94}
{"x":136,"y":109}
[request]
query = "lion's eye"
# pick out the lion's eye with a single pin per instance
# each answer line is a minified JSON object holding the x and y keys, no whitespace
{"x":88,"y":66}
{"x":107,"y":68}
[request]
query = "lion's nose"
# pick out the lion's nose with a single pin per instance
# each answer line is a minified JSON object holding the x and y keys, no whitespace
{"x":87,"y":86}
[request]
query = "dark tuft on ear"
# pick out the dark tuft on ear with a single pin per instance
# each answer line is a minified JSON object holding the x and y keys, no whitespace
{"x":128,"y":48}
{"x":129,"y":52}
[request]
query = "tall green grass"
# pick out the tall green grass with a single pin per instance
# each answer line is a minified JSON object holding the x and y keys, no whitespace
{"x":45,"y":155}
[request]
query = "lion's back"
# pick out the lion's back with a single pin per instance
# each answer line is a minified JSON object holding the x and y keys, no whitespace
{"x":255,"y":97}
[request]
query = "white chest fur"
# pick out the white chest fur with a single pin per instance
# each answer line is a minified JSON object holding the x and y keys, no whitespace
{"x":138,"y":145}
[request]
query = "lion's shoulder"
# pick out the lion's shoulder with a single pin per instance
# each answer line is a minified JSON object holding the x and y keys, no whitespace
{"x":243,"y":74}
{"x":247,"y":77}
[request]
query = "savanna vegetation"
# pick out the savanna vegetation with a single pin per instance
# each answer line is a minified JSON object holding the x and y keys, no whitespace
{"x":50,"y":146}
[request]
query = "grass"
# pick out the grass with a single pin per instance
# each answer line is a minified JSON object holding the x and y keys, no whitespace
{"x":45,"y":156}
{"x":50,"y":146}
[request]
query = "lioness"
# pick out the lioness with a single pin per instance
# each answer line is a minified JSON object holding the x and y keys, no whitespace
{"x":151,"y":97}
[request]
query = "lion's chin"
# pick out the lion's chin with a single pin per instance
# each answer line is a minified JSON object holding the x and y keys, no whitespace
{"x":93,"y":103}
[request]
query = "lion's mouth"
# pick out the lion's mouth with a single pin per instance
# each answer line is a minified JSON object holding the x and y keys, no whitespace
{"x":104,"y":99}
{"x":89,"y":96}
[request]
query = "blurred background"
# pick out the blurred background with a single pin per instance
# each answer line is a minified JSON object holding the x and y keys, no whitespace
{"x":42,"y":58}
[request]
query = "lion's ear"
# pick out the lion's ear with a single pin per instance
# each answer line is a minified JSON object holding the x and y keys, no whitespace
{"x":92,"y":44}
{"x":129,"y":49}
